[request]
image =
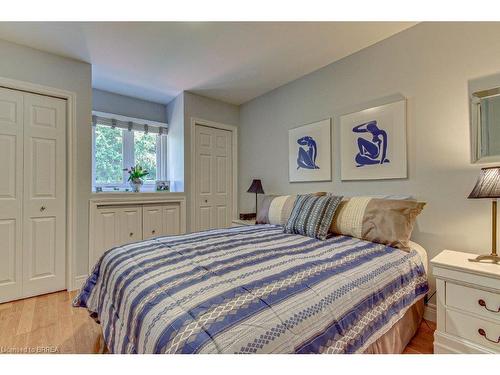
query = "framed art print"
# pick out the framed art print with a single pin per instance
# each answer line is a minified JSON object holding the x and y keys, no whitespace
{"x":373,"y":143}
{"x":309,"y":154}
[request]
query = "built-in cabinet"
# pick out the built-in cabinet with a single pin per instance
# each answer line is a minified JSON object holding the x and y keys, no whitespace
{"x":116,"y":222}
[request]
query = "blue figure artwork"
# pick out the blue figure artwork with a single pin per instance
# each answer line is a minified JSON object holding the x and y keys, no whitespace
{"x":372,"y":151}
{"x":308,"y":151}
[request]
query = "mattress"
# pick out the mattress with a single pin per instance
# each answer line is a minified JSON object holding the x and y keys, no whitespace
{"x":251,"y":289}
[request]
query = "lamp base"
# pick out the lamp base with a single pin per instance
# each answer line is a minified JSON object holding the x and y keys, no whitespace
{"x":492,"y":258}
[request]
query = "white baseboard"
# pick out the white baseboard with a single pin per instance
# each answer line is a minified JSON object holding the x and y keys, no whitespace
{"x":430,"y":312}
{"x":78,"y":282}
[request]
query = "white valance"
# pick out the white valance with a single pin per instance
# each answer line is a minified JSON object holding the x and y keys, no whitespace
{"x":129,"y":123}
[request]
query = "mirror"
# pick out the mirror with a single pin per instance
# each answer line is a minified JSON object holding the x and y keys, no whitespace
{"x":485,"y":120}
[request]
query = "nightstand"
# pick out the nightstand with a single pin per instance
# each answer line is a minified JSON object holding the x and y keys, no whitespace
{"x":468,"y":304}
{"x":239,"y":223}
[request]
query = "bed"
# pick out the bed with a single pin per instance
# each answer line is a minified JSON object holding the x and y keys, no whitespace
{"x":255,"y":289}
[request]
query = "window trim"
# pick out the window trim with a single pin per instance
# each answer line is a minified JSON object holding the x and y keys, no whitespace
{"x":128,"y":152}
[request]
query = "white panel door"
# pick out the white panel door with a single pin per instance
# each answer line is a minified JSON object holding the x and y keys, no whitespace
{"x":222,"y":178}
{"x":107,"y":232}
{"x":172,"y":219}
{"x":11,"y":194}
{"x":213,"y":205}
{"x":44,"y":203}
{"x":130,"y":224}
{"x":152,"y":221}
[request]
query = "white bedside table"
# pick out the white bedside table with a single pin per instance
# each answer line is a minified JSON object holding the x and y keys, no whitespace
{"x":468,"y":304}
{"x":239,"y":223}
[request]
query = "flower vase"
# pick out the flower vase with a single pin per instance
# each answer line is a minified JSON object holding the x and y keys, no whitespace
{"x":136,"y":185}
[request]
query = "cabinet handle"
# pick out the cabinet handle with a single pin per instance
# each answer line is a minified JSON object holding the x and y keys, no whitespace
{"x":482,"y":332}
{"x":483,"y":304}
{"x":131,"y":234}
{"x":42,"y":208}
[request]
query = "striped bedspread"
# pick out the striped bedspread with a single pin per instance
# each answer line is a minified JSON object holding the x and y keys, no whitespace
{"x":251,"y":289}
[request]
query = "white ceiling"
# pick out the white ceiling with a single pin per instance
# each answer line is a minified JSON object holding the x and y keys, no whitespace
{"x":233,"y":62}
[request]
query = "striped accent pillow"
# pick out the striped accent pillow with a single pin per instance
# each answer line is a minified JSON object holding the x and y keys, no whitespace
{"x":312,"y":215}
{"x":276,"y":209}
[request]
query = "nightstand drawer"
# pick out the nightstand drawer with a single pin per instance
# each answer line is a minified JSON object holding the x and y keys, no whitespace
{"x":476,"y":301}
{"x":482,"y":332}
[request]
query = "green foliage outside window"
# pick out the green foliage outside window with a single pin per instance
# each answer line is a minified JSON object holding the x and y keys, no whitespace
{"x":145,"y":153}
{"x":108,"y":155}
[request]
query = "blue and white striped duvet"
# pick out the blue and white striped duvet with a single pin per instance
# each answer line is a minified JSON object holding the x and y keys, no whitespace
{"x":251,"y":289}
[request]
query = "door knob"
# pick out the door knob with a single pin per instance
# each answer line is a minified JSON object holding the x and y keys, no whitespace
{"x":153,"y":231}
{"x":42,"y":208}
{"x":206,"y":200}
{"x":131,"y":234}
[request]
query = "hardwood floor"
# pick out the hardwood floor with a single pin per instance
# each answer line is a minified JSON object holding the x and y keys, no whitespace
{"x":49,"y":324}
{"x":422,"y":342}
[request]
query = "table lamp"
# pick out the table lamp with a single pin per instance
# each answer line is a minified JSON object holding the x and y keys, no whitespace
{"x":488,"y":186}
{"x":256,"y":188}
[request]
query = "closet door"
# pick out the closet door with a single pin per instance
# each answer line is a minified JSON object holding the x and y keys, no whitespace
{"x":11,"y":194}
{"x":213,"y":178}
{"x":44,"y":211}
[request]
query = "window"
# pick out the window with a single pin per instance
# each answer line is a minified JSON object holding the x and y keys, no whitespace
{"x":108,"y":155}
{"x":123,"y":144}
{"x":146,"y":152}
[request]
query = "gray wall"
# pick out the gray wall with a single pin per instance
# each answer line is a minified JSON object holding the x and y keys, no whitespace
{"x":430,"y":64}
{"x":105,"y":101}
{"x":175,"y":119}
{"x":34,"y":66}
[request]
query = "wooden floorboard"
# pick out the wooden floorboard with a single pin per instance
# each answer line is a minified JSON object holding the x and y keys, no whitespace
{"x":49,"y":324}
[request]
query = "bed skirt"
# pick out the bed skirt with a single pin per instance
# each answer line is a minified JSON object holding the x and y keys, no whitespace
{"x":397,"y":338}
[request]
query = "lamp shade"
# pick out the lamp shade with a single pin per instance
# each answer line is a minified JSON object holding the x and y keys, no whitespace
{"x":256,"y":187}
{"x":488,"y":184}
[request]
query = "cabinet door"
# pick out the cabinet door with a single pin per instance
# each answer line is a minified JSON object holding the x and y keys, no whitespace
{"x":152,"y":221}
{"x":106,"y":232}
{"x":172,"y":219}
{"x":130,"y":224}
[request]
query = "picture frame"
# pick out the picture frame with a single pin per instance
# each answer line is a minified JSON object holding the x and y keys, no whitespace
{"x":309,"y":152}
{"x":373,"y":143}
{"x":162,"y":186}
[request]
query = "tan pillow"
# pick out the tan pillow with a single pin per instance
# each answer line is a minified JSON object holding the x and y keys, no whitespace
{"x":386,"y":221}
{"x":263,"y":214}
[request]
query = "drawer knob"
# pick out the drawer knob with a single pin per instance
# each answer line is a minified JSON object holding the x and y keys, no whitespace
{"x":483,"y":304}
{"x":131,"y":234}
{"x":482,"y":332}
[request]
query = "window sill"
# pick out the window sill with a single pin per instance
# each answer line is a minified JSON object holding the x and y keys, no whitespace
{"x":145,"y":189}
{"x":130,"y":194}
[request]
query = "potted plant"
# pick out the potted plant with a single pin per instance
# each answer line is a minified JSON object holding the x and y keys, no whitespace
{"x":135,"y":175}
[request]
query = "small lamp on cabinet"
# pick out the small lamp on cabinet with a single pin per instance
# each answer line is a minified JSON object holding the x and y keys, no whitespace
{"x":256,"y":188}
{"x":488,"y":186}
